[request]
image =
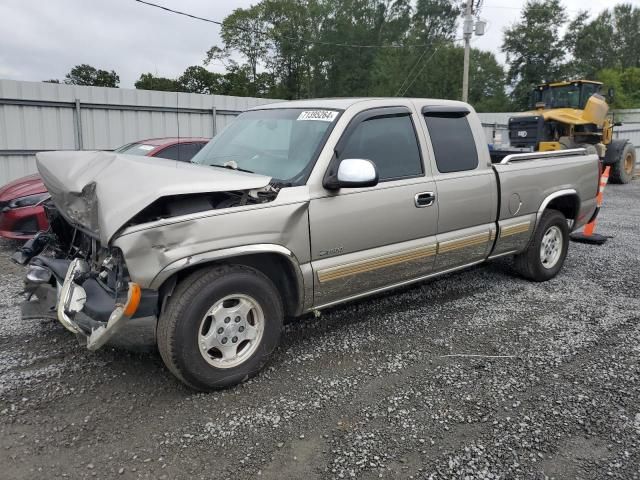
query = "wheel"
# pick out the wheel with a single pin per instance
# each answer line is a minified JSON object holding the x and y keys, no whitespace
{"x":623,"y":169}
{"x":220,"y":326}
{"x":545,"y":255}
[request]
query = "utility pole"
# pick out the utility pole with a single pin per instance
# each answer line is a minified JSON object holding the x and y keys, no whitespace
{"x":467,"y":32}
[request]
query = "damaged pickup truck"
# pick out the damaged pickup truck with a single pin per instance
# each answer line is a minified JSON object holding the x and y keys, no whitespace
{"x":293,"y":208}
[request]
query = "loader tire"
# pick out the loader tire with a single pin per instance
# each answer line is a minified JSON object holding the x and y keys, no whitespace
{"x":623,"y":169}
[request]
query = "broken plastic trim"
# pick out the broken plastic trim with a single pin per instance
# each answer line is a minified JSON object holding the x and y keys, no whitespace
{"x":101,"y":335}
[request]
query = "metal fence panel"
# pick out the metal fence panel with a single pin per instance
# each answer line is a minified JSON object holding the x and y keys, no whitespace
{"x":36,"y":116}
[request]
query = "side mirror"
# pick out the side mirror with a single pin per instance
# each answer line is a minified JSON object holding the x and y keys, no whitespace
{"x":353,"y":173}
{"x":611,"y":94}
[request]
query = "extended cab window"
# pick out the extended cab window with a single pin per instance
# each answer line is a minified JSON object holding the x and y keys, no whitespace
{"x":389,"y":142}
{"x":453,"y":144}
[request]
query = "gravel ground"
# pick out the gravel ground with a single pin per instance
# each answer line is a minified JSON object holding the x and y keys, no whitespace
{"x":384,"y":388}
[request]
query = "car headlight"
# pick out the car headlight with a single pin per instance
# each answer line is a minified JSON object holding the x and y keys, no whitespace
{"x":28,"y":201}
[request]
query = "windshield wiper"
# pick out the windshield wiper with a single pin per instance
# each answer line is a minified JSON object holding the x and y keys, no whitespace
{"x":230,"y":167}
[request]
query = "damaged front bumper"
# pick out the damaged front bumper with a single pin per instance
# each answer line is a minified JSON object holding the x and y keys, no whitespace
{"x":85,"y":307}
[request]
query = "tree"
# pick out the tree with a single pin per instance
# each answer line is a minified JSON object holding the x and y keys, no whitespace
{"x":533,"y":48}
{"x":87,"y":75}
{"x":242,"y":32}
{"x":626,"y":83}
{"x":197,"y":79}
{"x":148,"y":81}
{"x":609,"y":41}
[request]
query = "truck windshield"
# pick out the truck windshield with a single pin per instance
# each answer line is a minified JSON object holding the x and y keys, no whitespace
{"x":280,"y":143}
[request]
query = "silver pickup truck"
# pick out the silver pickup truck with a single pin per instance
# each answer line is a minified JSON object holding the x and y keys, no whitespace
{"x":293,"y":208}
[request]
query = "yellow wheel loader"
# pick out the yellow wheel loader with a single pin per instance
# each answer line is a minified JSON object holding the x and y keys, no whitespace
{"x":573,"y":114}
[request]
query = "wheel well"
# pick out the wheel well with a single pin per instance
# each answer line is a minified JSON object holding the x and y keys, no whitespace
{"x":276,"y":267}
{"x":568,"y":205}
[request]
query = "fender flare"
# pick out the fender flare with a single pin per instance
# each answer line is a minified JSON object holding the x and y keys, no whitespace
{"x":227,"y":253}
{"x":552,"y":196}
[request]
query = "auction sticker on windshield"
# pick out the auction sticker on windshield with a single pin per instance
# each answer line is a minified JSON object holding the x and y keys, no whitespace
{"x":322,"y":115}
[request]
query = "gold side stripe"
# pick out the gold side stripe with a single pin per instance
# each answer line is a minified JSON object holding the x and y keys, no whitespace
{"x":492,"y":235}
{"x":515,"y":229}
{"x":369,"y":265}
{"x":353,"y":270}
{"x":364,"y":266}
{"x":465,"y":242}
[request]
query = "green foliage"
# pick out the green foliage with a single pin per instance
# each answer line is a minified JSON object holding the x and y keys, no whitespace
{"x":287,"y":49}
{"x":87,"y":75}
{"x":197,"y":79}
{"x":148,"y":81}
{"x":605,"y":48}
{"x":534,"y":49}
{"x":626,"y":83}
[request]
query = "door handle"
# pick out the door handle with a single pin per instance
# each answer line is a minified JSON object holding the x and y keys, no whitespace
{"x":424,"y":199}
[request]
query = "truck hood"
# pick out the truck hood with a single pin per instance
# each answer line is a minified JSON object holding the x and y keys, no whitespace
{"x":101,"y":191}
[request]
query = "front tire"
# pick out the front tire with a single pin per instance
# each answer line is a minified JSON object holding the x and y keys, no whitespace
{"x":547,"y":250}
{"x":220,"y":326}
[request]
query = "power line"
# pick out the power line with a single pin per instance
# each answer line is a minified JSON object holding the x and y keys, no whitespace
{"x":419,"y":71}
{"x":411,"y":71}
{"x":260,"y":32}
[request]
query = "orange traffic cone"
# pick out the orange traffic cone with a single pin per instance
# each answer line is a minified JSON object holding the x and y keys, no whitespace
{"x":588,"y":234}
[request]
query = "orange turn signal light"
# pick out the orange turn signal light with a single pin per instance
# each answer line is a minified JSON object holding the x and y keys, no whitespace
{"x":133,"y":299}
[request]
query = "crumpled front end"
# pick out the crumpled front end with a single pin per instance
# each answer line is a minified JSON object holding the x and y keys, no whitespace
{"x":85,"y":286}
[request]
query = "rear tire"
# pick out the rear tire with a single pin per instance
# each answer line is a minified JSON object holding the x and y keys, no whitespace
{"x":547,"y":250}
{"x":623,"y":169}
{"x":220,"y":326}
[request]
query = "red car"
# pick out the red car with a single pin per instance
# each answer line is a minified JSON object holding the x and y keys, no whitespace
{"x":21,"y":210}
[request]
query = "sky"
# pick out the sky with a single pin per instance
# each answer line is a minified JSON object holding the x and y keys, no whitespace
{"x":44,"y":39}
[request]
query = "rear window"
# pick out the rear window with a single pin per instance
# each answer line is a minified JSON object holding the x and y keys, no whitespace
{"x":453,"y":144}
{"x":182,"y":152}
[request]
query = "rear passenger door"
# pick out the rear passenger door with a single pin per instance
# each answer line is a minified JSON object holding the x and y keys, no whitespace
{"x":363,"y":239}
{"x":467,"y":188}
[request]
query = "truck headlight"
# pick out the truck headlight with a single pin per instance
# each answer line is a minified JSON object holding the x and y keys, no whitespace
{"x":28,"y":201}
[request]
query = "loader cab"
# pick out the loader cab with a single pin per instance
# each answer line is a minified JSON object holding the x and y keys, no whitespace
{"x":573,"y":94}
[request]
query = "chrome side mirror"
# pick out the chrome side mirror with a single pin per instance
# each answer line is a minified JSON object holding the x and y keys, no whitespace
{"x":353,"y":173}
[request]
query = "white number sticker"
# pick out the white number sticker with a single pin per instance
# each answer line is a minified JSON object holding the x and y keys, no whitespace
{"x":322,"y":115}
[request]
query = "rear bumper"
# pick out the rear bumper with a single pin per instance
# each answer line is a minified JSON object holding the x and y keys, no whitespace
{"x":85,"y":307}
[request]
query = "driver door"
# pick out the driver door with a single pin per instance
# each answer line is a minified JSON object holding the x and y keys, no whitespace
{"x":366,"y":239}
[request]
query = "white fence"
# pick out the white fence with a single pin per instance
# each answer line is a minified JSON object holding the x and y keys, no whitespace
{"x":36,"y":116}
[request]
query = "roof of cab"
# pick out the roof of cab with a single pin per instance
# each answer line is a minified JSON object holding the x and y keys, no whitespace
{"x":344,"y":103}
